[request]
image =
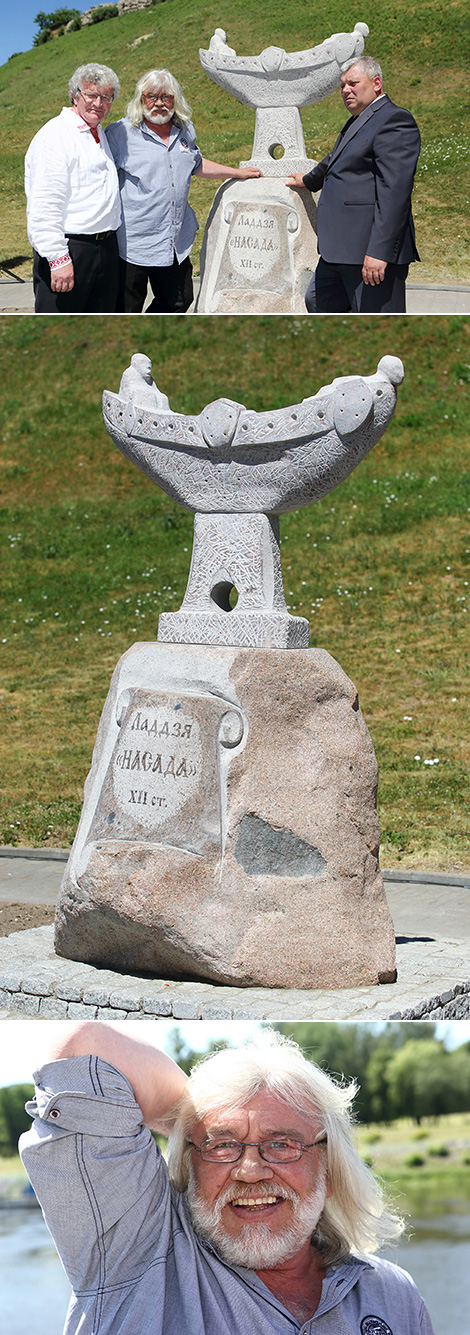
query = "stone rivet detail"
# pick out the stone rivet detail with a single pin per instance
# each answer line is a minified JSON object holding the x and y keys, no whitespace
{"x":231,"y":728}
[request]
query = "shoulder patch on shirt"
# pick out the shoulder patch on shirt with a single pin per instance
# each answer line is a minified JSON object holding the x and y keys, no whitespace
{"x":373,"y":1325}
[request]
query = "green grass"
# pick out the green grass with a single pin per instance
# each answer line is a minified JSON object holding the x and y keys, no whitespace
{"x":422,"y":1188}
{"x":92,"y":552}
{"x":423,"y":47}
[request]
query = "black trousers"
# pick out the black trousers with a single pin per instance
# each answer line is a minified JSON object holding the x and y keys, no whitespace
{"x":172,"y":287}
{"x":96,"y":278}
{"x":339,"y":288}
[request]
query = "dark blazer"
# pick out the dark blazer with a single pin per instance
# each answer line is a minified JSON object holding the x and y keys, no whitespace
{"x":366,"y":183}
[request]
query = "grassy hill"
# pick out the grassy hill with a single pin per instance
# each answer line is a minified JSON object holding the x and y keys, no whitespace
{"x":92,"y":552}
{"x":423,"y":46}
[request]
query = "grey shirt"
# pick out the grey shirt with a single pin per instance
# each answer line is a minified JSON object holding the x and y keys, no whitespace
{"x":154,"y":179}
{"x":128,"y":1246}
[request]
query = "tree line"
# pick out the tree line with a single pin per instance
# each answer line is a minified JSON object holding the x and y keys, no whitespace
{"x":402,"y":1070}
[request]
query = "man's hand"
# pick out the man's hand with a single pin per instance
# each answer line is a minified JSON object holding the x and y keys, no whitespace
{"x":247,"y":173}
{"x":62,"y":278}
{"x":296,"y":181}
{"x":373,"y":271}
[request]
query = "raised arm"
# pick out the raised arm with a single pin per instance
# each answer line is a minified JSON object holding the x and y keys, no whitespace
{"x":156,"y":1080}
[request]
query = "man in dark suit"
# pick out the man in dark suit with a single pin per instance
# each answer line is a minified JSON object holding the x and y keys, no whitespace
{"x":365,"y":228}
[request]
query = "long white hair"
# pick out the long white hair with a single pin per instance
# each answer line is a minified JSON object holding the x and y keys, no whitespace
{"x":356,"y":1217}
{"x":159,"y":81}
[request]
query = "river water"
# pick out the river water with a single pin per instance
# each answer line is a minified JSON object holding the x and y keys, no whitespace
{"x":34,"y":1291}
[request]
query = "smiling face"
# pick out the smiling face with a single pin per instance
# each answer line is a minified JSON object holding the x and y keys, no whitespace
{"x":358,"y":90}
{"x":258,"y":1214}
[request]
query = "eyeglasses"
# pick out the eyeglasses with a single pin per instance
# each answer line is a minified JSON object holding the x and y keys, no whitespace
{"x":279,"y":1150}
{"x":152,"y":98}
{"x":96,"y":97}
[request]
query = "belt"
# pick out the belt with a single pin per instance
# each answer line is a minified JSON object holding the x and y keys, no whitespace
{"x":90,"y":236}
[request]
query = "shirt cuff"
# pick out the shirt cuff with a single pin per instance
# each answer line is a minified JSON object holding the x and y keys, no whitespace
{"x":60,"y":262}
{"x":85,"y":1094}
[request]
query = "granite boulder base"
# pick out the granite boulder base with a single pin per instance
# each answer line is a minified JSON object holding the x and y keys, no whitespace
{"x":259,"y":250}
{"x":229,"y":830}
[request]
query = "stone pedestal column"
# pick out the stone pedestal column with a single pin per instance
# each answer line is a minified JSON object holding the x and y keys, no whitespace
{"x":229,"y":829}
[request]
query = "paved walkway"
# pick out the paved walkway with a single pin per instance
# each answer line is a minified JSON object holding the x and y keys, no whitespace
{"x":421,"y":299}
{"x":431,"y":916}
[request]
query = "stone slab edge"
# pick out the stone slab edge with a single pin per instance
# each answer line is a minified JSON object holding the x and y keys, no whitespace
{"x":36,"y":982}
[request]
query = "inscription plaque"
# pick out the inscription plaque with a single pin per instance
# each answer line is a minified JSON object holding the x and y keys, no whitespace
{"x":256,"y":246}
{"x":166,"y":771}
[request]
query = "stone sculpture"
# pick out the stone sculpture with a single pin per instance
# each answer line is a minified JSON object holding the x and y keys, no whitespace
{"x":229,"y":828}
{"x":239,"y":470}
{"x":259,"y":245}
{"x":276,"y":84}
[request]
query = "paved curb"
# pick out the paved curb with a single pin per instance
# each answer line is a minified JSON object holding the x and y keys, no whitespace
{"x":36,"y":982}
{"x":17,"y":298}
{"x":35,"y":854}
{"x":451,"y":1005}
{"x":427,"y":877}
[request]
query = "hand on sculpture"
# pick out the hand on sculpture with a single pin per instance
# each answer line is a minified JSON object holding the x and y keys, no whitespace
{"x":62,"y":279}
{"x":244,"y":173}
{"x":295,"y":181}
{"x":373,"y":271}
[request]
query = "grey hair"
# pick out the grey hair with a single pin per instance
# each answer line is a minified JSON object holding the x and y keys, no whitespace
{"x":101,"y":75}
{"x":156,"y":81}
{"x":356,"y":1216}
{"x":369,"y":66}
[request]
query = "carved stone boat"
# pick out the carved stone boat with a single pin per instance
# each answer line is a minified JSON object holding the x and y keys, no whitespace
{"x":277,"y":77}
{"x":228,"y":459}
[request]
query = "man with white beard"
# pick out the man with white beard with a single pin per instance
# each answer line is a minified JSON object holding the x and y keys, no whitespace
{"x":156,"y":154}
{"x":265,"y":1219}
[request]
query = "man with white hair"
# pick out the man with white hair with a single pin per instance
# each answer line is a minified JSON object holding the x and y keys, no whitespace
{"x":265,"y":1219}
{"x":365,"y":228}
{"x":156,"y":154}
{"x":73,"y":201}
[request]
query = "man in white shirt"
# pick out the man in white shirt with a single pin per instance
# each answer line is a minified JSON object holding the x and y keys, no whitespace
{"x":73,"y":201}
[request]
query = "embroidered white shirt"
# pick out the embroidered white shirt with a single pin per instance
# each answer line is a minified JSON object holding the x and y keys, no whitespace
{"x":71,"y":184}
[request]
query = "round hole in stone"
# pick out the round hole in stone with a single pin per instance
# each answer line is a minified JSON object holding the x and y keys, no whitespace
{"x":225,"y":596}
{"x":276,"y":151}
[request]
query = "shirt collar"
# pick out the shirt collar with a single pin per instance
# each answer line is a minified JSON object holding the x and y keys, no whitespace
{"x":77,"y":120}
{"x":175,"y":130}
{"x":366,"y":110}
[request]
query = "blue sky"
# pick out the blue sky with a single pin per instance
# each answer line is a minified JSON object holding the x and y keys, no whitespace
{"x":18,"y":28}
{"x":22,"y":1042}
